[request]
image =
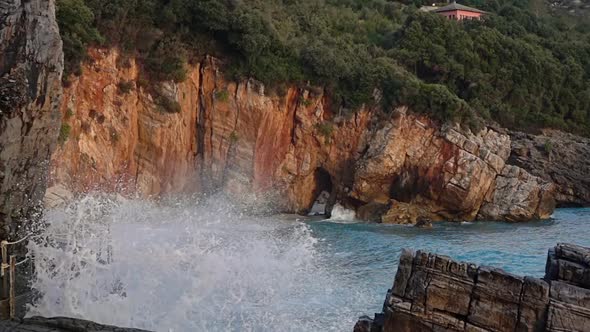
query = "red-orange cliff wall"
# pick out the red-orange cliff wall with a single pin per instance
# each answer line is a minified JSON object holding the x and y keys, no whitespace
{"x":260,"y":147}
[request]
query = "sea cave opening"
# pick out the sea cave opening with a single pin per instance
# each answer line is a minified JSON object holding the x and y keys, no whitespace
{"x":322,"y":192}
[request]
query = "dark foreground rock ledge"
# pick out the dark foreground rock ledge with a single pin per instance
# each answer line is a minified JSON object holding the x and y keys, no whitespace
{"x":59,"y":324}
{"x":434,"y":293}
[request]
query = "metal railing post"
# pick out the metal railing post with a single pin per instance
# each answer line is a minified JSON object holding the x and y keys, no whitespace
{"x":4,"y":247}
{"x":12,"y":300}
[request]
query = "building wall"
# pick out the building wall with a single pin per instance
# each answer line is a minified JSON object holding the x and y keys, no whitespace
{"x":461,"y":15}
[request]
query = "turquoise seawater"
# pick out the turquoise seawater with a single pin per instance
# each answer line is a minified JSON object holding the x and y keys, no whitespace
{"x":367,"y":254}
{"x":182,"y":266}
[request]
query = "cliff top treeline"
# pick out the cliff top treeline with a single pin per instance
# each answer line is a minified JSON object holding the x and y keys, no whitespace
{"x":516,"y":67}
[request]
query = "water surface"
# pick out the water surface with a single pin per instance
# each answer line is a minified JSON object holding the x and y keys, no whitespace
{"x":185,"y":266}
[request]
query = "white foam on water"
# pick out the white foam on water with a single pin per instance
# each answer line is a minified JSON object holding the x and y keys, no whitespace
{"x":183,"y":267}
{"x":341,"y":214}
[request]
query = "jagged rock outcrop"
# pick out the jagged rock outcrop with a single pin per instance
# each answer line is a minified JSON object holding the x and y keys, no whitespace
{"x":561,"y":158}
{"x":59,"y":324}
{"x":424,"y":171}
{"x":518,"y":195}
{"x":286,"y":150}
{"x":434,"y":293}
{"x":31,"y":63}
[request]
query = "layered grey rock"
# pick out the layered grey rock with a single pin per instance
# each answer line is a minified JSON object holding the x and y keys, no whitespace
{"x":434,"y":293}
{"x":59,"y":324}
{"x":517,"y":195}
{"x":31,"y":62}
{"x":555,"y":156}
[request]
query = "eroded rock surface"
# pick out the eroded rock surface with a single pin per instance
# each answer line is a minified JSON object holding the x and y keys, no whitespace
{"x":434,"y":293}
{"x":31,"y":63}
{"x":424,"y":171}
{"x":561,"y":158}
{"x":517,"y":196}
{"x":282,"y":150}
{"x":227,"y":136}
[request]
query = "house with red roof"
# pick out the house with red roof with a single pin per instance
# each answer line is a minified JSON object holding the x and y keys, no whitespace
{"x":455,"y":11}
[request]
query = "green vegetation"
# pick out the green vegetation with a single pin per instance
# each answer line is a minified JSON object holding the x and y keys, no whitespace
{"x":114,"y":135}
{"x":76,"y":25}
{"x":305,"y":101}
{"x":167,"y":105}
{"x":233,"y":137}
{"x":548,"y":146}
{"x":69,"y":113}
{"x":64,"y":133}
{"x":325,"y":129}
{"x":523,"y":68}
{"x":222,"y":95}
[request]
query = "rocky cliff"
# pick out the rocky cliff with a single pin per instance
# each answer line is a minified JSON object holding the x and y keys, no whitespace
{"x":226,"y":136}
{"x":284,"y":149}
{"x":558,"y":157}
{"x":31,"y":63}
{"x":434,"y":293}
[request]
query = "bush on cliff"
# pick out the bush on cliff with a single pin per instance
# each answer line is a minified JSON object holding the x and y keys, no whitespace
{"x":166,"y":104}
{"x":76,"y":25}
{"x":515,"y":67}
{"x":64,"y":133}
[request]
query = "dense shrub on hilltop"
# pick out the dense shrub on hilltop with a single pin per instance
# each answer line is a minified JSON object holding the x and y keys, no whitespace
{"x":514,"y":67}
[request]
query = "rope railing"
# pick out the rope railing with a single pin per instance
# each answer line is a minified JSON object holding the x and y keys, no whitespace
{"x":6,"y":243}
{"x":9,"y":284}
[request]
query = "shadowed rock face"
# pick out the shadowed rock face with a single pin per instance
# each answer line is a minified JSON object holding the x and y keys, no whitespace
{"x":31,"y":63}
{"x":434,"y":293}
{"x":561,"y":158}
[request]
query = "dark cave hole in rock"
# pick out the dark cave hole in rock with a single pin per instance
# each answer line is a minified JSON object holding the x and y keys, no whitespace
{"x":322,"y":193}
{"x":408,"y":184}
{"x":566,"y":205}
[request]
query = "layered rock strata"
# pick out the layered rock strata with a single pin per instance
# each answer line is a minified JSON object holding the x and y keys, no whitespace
{"x":31,"y":63}
{"x":423,"y":171}
{"x":59,"y":324}
{"x":434,"y":293}
{"x":558,"y":157}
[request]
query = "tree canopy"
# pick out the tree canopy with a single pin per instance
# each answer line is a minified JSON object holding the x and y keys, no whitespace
{"x":516,"y":67}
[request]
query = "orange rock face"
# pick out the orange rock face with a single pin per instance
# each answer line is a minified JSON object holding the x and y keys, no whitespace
{"x":119,"y":140}
{"x":282,"y":150}
{"x":227,"y":136}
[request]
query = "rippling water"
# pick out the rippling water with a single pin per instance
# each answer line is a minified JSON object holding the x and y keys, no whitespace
{"x":185,"y":266}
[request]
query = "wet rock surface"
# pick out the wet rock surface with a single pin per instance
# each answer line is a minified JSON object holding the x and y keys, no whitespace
{"x":59,"y":324}
{"x":31,"y":63}
{"x":434,"y":293}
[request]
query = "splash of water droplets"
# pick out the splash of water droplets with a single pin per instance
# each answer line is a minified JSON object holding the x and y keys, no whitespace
{"x":182,"y":266}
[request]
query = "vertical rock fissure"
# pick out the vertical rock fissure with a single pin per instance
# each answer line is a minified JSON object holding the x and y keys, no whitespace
{"x":200,"y":134}
{"x":519,"y":310}
{"x":232,"y":146}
